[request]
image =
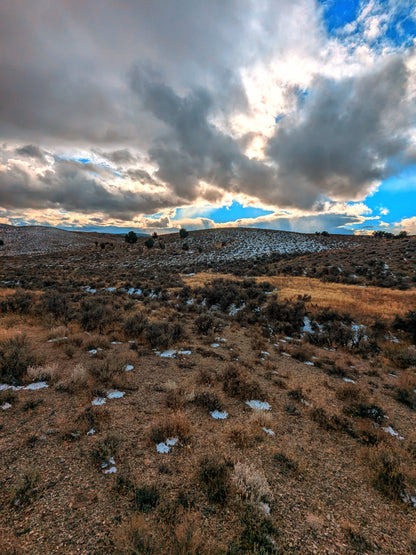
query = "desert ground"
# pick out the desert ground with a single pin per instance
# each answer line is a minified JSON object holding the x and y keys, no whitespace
{"x":234,"y":391}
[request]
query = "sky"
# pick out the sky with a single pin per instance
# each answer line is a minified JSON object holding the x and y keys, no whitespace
{"x":297,"y":115}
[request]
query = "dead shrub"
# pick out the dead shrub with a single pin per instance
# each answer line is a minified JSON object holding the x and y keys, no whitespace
{"x":26,"y":489}
{"x":251,"y":484}
{"x":49,"y":372}
{"x":106,"y":370}
{"x":241,"y":436}
{"x":388,"y":472}
{"x":175,"y":425}
{"x":214,"y":477}
{"x":136,"y":536}
{"x":134,"y":325}
{"x":238,"y":383}
{"x":208,"y":400}
{"x":16,"y":355}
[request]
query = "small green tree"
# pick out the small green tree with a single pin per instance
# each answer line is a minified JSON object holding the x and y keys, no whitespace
{"x":183,"y":233}
{"x":149,"y":242}
{"x":131,"y":237}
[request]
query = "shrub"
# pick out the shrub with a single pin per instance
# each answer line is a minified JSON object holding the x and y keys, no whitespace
{"x":388,"y":474}
{"x":251,"y":484}
{"x":175,"y":425}
{"x":183,"y":233}
{"x":133,"y":326}
{"x":106,"y":448}
{"x":204,"y":323}
{"x":105,"y":370}
{"x":18,"y":303}
{"x":238,"y":384}
{"x":406,"y":323}
{"x":131,"y":237}
{"x":149,"y":243}
{"x":15,"y":357}
{"x":146,"y":498}
{"x":208,"y":400}
{"x":96,"y":316}
{"x":257,"y":535}
{"x":136,"y":536}
{"x":26,"y":489}
{"x":214,"y":476}
{"x":286,"y":316}
{"x":365,"y":410}
{"x":157,"y":333}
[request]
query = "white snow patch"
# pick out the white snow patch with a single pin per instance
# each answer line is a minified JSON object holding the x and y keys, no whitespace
{"x":129,"y":367}
{"x":268,"y":431}
{"x":307,"y":328}
{"x":258,"y":405}
{"x":36,"y":386}
{"x":6,"y":406}
{"x":215,"y":345}
{"x":170,"y":353}
{"x":91,"y":432}
{"x":389,"y":430}
{"x":98,"y":401}
{"x":186,"y":352}
{"x":218,"y":415}
{"x":309,"y":363}
{"x":349,"y":380}
{"x":164,"y":446}
{"x":57,"y":339}
{"x":114,"y":394}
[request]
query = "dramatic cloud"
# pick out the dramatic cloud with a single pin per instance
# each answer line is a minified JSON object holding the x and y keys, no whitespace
{"x":122,"y":109}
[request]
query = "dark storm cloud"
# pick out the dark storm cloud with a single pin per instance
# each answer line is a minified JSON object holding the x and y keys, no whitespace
{"x":346,"y":132}
{"x":70,"y":187}
{"x":31,"y":151}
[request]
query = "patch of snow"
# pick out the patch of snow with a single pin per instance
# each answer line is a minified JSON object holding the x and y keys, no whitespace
{"x":129,"y":367}
{"x":114,"y":394}
{"x":392,"y":375}
{"x":268,"y":431}
{"x":6,"y":406}
{"x":306,"y":403}
{"x":36,"y":386}
{"x":93,"y":351}
{"x":307,"y":328}
{"x":349,"y":380}
{"x":309,"y":363}
{"x":91,"y":432}
{"x":170,"y":353}
{"x":264,"y":353}
{"x":184,"y":352}
{"x":116,"y":343}
{"x":389,"y":430}
{"x":215,"y":345}
{"x":98,"y":401}
{"x":286,"y":354}
{"x":57,"y":339}
{"x":172,"y":441}
{"x":258,"y":405}
{"x":218,"y":415}
{"x":162,"y":448}
{"x":265,"y":507}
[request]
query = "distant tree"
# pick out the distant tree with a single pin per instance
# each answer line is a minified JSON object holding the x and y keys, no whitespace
{"x":149,"y":242}
{"x":402,"y":234}
{"x":154,"y":235}
{"x":382,"y":234}
{"x":131,"y":237}
{"x":324,"y":233}
{"x":183,"y":233}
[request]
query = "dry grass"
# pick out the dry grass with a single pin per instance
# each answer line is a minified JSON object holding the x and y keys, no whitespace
{"x":370,"y":302}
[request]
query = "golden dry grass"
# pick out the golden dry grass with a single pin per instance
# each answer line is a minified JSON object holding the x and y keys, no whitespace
{"x":360,"y":302}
